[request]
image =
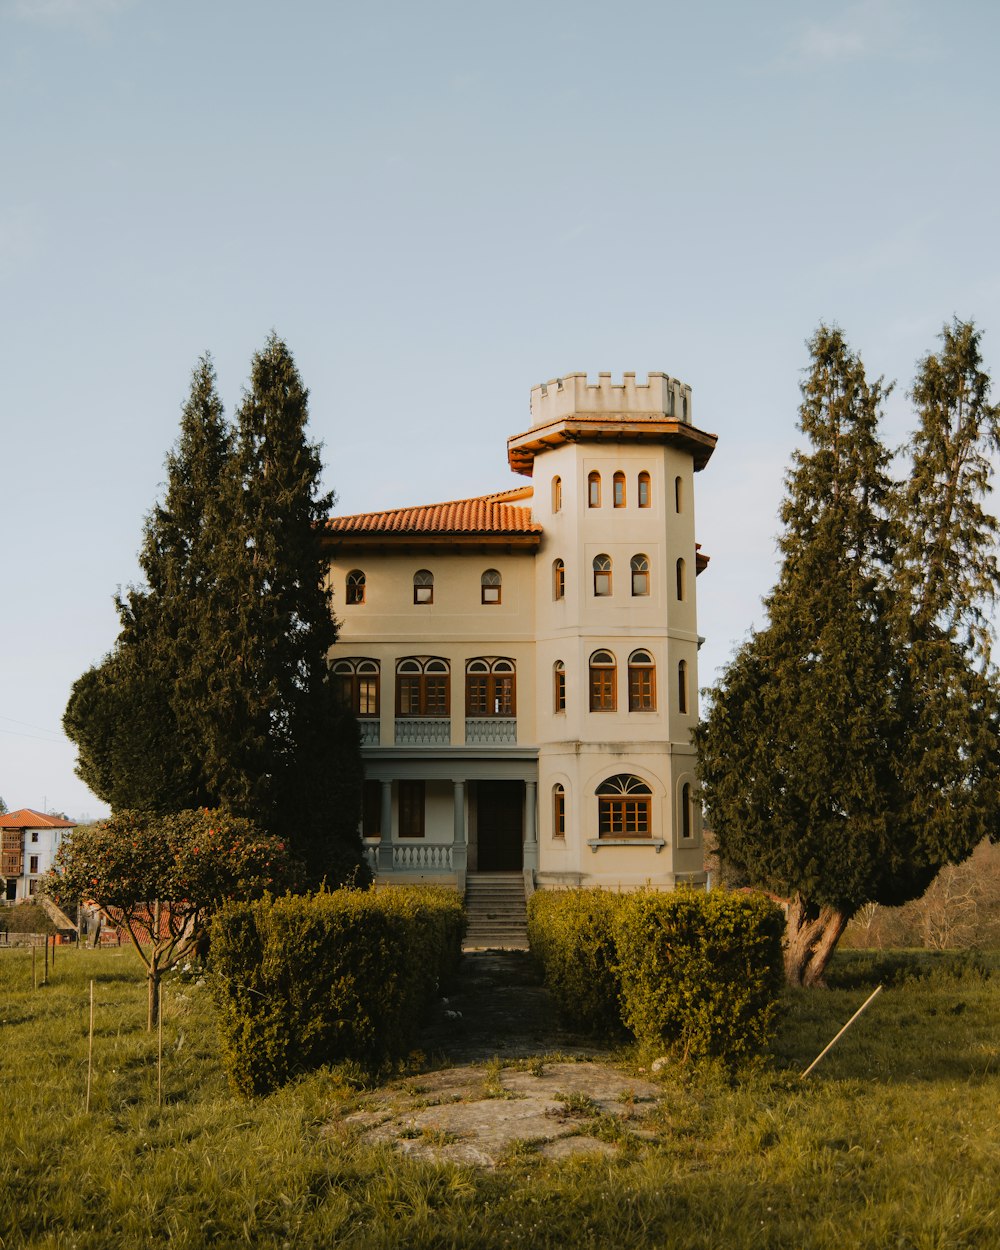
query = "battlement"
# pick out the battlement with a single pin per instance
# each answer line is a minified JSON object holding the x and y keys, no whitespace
{"x":575,"y":395}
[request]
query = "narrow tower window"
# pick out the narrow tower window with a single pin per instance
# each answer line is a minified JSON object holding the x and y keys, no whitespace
{"x":680,"y":579}
{"x":558,"y":579}
{"x":558,"y":812}
{"x":619,"y":485}
{"x":641,"y":682}
{"x":602,"y":575}
{"x":594,"y":490}
{"x":682,"y":686}
{"x":644,"y":496}
{"x":678,"y":493}
{"x":556,"y":494}
{"x":559,"y":687}
{"x":603,"y":679}
{"x":640,"y":575}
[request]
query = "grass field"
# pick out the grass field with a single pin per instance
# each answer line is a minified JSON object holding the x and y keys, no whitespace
{"x":894,"y":1141}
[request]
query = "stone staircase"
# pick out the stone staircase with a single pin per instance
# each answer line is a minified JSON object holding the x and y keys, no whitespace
{"x":495,"y":907}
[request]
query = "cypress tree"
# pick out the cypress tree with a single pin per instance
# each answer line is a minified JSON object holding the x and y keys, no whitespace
{"x":851,"y":747}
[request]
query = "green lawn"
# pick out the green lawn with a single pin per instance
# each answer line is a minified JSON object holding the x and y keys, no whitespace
{"x":894,"y":1141}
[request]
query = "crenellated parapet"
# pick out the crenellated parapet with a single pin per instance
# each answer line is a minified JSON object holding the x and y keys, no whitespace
{"x":576,"y":395}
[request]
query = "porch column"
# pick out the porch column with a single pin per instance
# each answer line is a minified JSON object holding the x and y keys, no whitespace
{"x":385,"y":827}
{"x":530,"y":830}
{"x":459,"y":845}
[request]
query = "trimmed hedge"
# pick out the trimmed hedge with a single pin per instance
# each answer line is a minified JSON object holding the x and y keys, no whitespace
{"x":570,"y":934}
{"x":701,"y":973}
{"x":306,"y":980}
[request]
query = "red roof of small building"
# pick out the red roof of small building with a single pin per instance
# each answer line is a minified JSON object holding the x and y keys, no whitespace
{"x":28,"y":818}
{"x":496,"y":514}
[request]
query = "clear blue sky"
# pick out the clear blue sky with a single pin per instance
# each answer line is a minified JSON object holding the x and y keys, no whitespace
{"x":437,"y":206}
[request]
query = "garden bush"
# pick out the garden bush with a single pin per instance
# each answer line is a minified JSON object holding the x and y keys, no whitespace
{"x":700,"y":972}
{"x":306,"y":980}
{"x":570,"y":933}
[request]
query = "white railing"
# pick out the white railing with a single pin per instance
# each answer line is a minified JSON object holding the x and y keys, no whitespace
{"x":421,"y":855}
{"x":369,"y":731}
{"x":371,"y":856}
{"x":423,"y":731}
{"x":490,"y":730}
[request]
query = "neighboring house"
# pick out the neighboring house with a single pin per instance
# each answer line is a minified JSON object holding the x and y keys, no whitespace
{"x":28,"y":843}
{"x":524,"y":664}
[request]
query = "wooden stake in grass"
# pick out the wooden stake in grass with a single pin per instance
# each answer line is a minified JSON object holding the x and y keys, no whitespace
{"x":159,"y":1046}
{"x":830,"y":1045}
{"x":45,"y":979}
{"x":34,"y":978}
{"x":90,"y":1045}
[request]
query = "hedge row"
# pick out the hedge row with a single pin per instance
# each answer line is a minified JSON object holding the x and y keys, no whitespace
{"x":306,"y":980}
{"x":701,"y":973}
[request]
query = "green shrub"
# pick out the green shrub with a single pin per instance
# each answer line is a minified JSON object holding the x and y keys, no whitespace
{"x":571,"y":936}
{"x":701,"y":972}
{"x":306,"y":980}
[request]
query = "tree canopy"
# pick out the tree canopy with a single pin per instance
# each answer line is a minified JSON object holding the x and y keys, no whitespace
{"x":850,"y":749}
{"x":217,"y":692}
{"x":160,"y":877}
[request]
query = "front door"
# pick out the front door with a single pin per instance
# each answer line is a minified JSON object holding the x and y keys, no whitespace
{"x":500,"y":825}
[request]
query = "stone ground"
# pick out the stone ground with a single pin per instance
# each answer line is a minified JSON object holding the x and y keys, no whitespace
{"x":503,"y":1076}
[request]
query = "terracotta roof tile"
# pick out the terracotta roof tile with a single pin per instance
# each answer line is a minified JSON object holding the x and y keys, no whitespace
{"x":487,"y":514}
{"x":28,"y":818}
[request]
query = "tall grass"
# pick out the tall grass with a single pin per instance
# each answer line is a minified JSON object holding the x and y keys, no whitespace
{"x":892,"y":1142}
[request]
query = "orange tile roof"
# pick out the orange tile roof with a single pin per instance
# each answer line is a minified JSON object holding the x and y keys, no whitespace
{"x":487,"y":514}
{"x":28,"y":818}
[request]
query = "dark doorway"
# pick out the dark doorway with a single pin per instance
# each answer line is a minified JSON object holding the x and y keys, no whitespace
{"x":499,"y":825}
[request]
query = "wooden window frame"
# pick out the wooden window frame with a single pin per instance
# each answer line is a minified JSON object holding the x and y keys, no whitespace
{"x":624,"y":808}
{"x":618,"y":489}
{"x":488,"y":587}
{"x":354,"y":680}
{"x":431,"y":691}
{"x":603,"y":683}
{"x":641,"y":682}
{"x":425,"y":584}
{"x":490,"y":691}
{"x":559,"y":812}
{"x":558,"y":579}
{"x":645,"y":492}
{"x":557,"y":494}
{"x":558,"y":687}
{"x":593,"y":489}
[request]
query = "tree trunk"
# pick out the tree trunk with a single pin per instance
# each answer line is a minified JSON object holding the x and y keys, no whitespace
{"x":153,"y":985}
{"x":811,"y":938}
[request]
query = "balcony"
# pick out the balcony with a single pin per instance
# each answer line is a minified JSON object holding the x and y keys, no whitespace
{"x":423,"y":731}
{"x":370,"y":735}
{"x":488,"y":731}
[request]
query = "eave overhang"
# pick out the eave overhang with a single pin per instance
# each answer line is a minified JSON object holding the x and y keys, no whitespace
{"x":523,"y":448}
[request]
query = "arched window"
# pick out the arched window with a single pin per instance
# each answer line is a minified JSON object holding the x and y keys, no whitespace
{"x":687,"y":821}
{"x":682,"y":686}
{"x":490,"y":586}
{"x":678,"y":493}
{"x":619,"y":489}
{"x":680,"y":579}
{"x":559,"y":686}
{"x":644,"y":492}
{"x":489,"y":687}
{"x":422,"y":686}
{"x":641,"y":682}
{"x":556,"y":494}
{"x":602,"y":575}
{"x":558,"y":579}
{"x":355,"y":586}
{"x":423,"y":586}
{"x":358,"y":685}
{"x":623,"y":807}
{"x":603,"y":681}
{"x":640,"y":575}
{"x":558,"y":812}
{"x":594,"y":490}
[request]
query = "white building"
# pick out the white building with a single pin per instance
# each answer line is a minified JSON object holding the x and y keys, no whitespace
{"x":28,"y":843}
{"x":524,"y":665}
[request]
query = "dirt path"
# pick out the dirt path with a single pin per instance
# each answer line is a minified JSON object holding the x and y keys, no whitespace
{"x":489,"y":1088}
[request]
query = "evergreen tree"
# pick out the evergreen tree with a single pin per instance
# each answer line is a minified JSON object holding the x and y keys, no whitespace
{"x":217,"y":692}
{"x":275,"y":744}
{"x":851,"y":748}
{"x":795,"y":753}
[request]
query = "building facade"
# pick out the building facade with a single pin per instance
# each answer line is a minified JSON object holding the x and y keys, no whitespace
{"x":28,"y":843}
{"x":524,"y":665}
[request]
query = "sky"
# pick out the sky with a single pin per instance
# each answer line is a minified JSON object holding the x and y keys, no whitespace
{"x":438,"y":206}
